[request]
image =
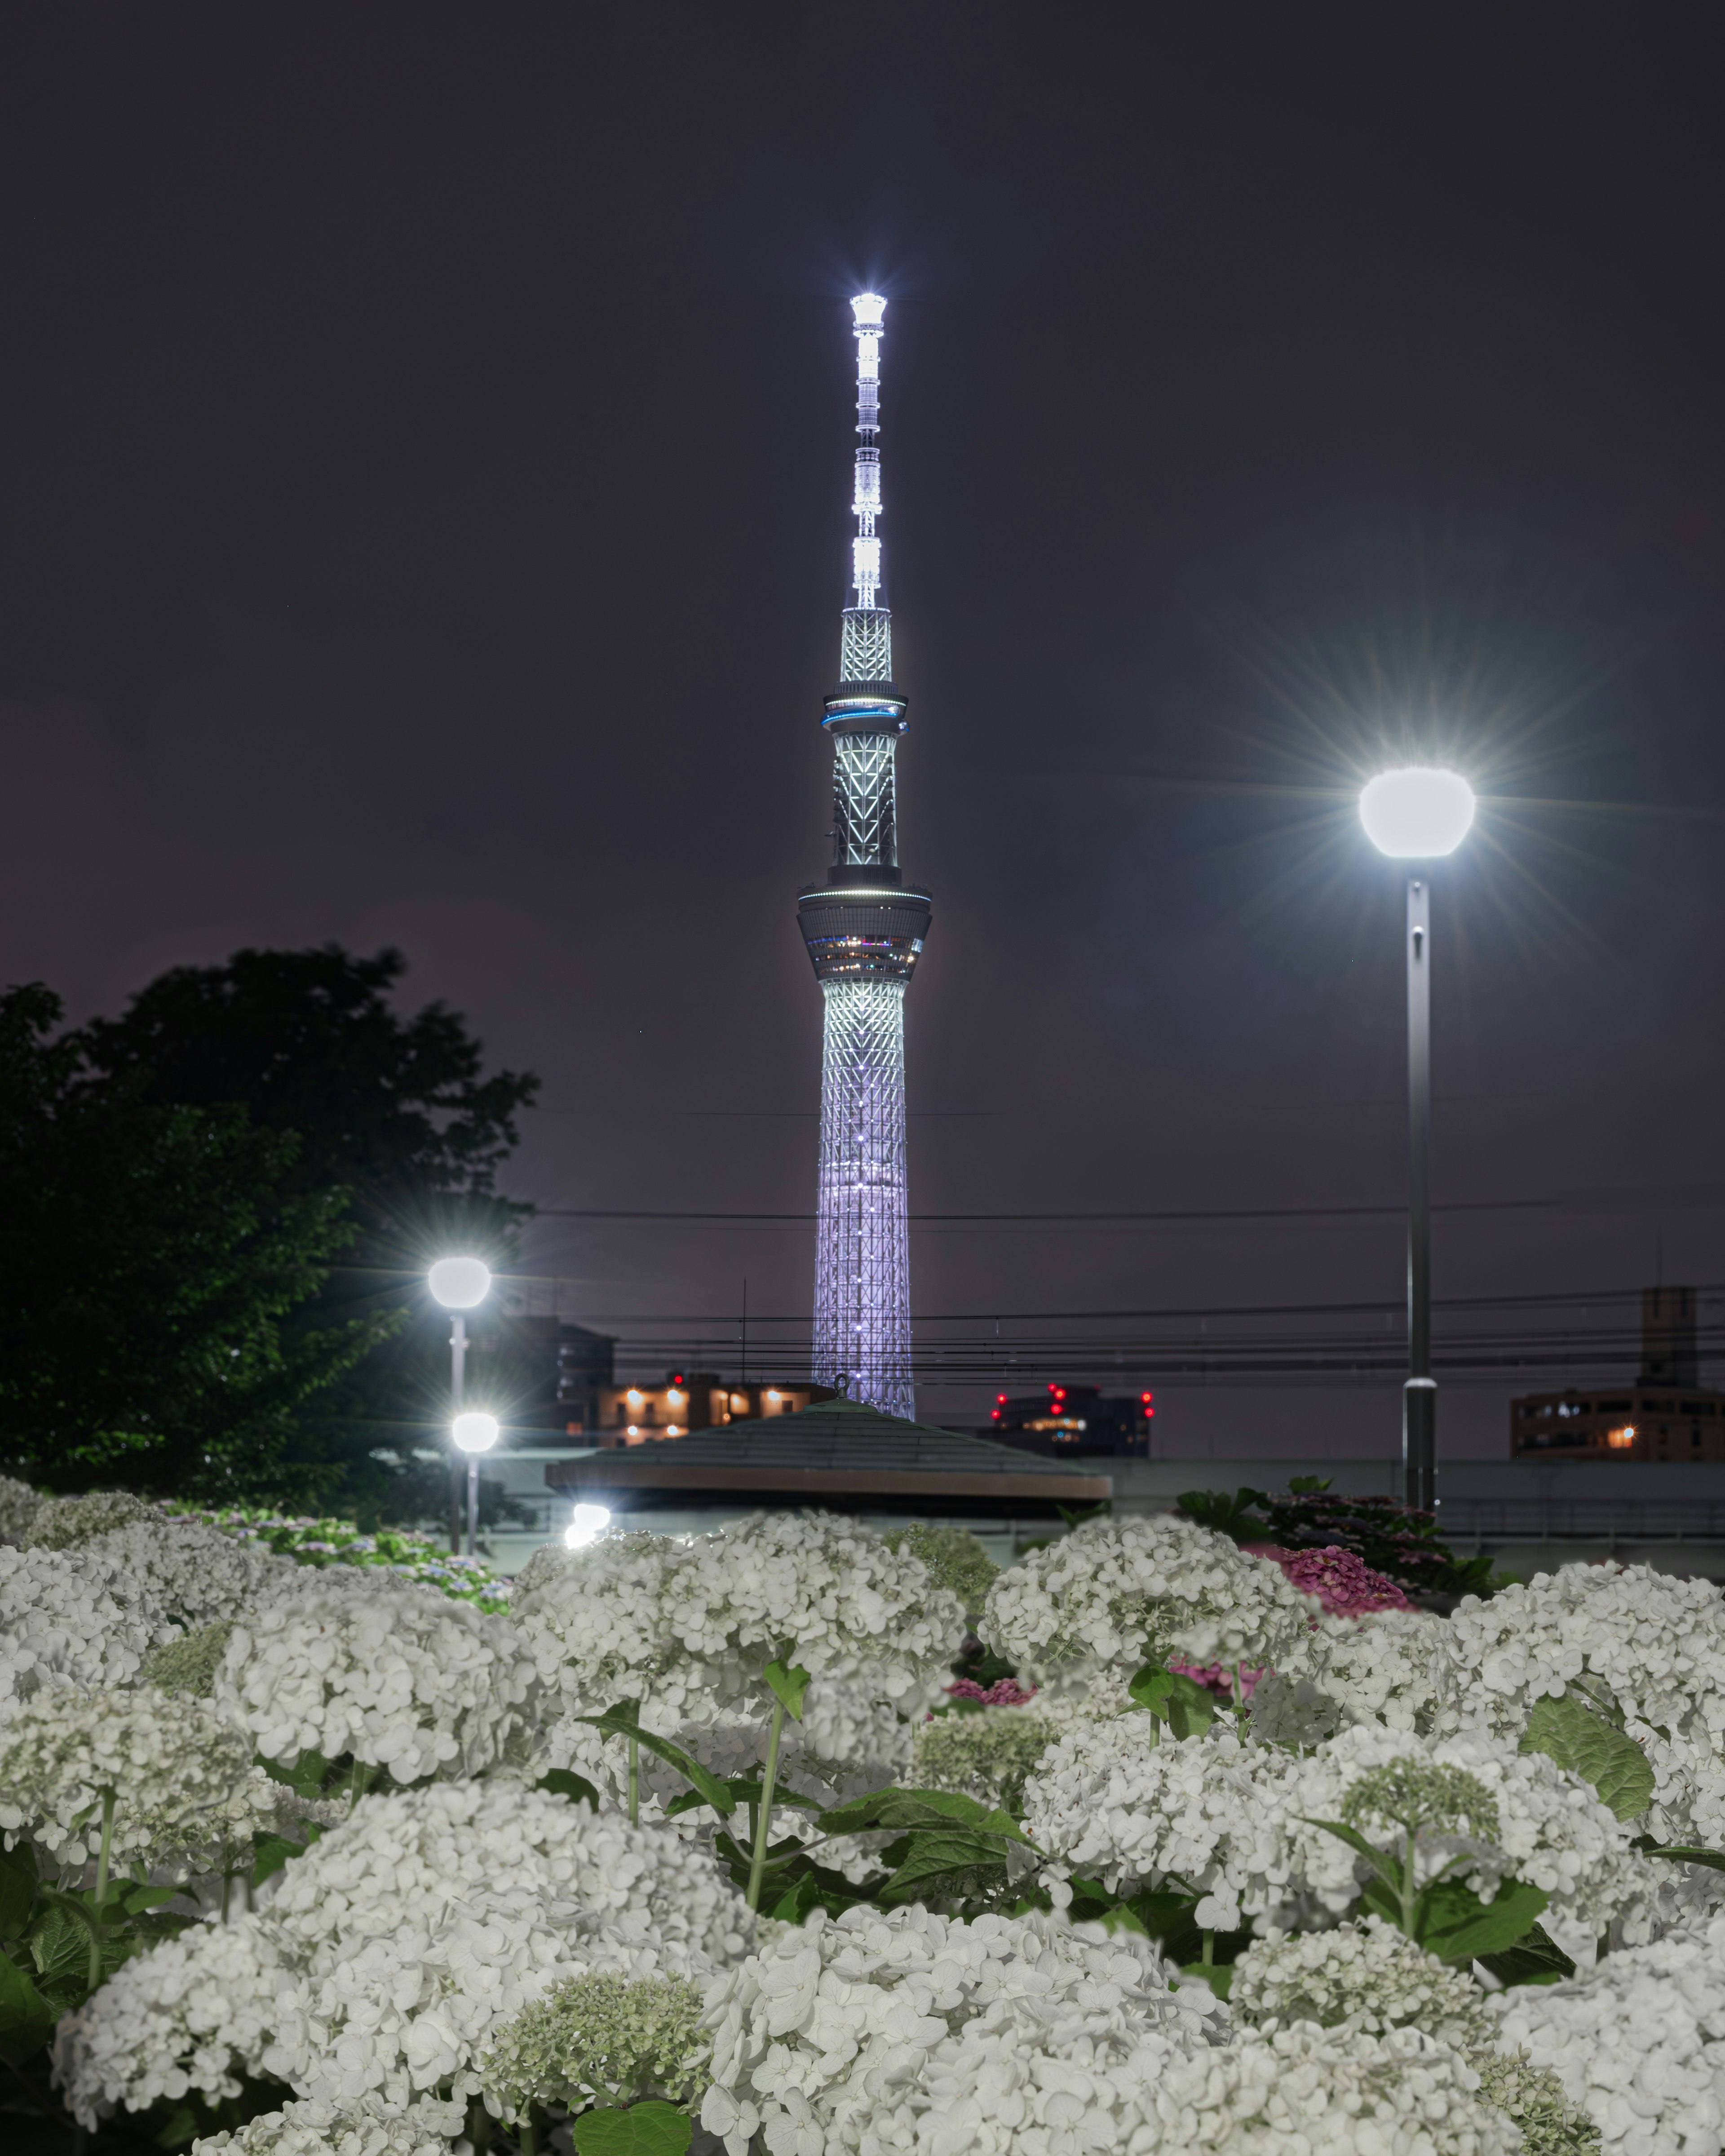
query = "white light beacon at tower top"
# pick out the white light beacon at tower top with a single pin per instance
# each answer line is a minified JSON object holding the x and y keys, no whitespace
{"x":868,"y":310}
{"x":1417,"y":814}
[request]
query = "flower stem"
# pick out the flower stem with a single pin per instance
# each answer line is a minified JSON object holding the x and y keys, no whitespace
{"x":101,"y":1887}
{"x":634,"y":1791}
{"x":1208,"y":1956}
{"x":1409,"y":1896}
{"x":763,"y":1824}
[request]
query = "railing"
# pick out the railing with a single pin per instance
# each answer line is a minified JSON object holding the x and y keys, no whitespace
{"x":1607,"y":1520}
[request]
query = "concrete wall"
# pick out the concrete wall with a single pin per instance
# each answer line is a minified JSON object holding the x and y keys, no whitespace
{"x":1530,"y":1516}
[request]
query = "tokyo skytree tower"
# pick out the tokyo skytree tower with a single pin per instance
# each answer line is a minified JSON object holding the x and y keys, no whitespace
{"x":865,"y":928}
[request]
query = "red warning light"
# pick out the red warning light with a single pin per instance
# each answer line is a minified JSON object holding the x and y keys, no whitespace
{"x":995,"y":1414}
{"x":677,"y":1381}
{"x":1001,"y":1396}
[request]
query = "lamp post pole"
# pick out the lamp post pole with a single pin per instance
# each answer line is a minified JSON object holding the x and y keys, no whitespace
{"x":458,"y":1389}
{"x":1418,"y":814}
{"x":1420,"y":1393}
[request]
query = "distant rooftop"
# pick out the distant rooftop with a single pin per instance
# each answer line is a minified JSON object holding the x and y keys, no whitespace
{"x":838,"y":1454}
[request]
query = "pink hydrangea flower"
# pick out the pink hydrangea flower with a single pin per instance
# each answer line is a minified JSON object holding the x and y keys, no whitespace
{"x":1005,"y":1691}
{"x":1343,"y":1582}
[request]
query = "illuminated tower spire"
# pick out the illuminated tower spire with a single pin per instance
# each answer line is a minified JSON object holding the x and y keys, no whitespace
{"x":865,"y":928}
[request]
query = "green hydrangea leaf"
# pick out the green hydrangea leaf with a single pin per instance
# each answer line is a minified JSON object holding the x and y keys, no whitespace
{"x":1456,"y":1926}
{"x":22,"y":2006}
{"x":655,"y":2128}
{"x":562,"y":1783}
{"x":1535,"y":1960}
{"x":1577,"y":1737}
{"x":18,"y":1889}
{"x":787,"y":1683}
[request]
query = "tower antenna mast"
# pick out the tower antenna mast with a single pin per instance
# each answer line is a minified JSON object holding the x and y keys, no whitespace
{"x":865,"y":928}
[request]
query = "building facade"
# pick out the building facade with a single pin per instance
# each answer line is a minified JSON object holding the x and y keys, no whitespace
{"x":1664,"y":1415}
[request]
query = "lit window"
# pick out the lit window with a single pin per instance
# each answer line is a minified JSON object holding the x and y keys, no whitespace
{"x":1620,"y":1441}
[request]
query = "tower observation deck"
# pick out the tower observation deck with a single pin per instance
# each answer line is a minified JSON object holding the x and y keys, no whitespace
{"x":865,"y":928}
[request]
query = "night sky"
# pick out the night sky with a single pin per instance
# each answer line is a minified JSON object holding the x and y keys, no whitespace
{"x":425,"y":462}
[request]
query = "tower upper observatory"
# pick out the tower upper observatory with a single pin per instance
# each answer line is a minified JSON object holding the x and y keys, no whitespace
{"x":865,"y":928}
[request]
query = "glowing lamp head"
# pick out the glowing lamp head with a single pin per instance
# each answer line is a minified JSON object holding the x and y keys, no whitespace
{"x":474,"y":1432}
{"x":1417,"y":814}
{"x":868,"y":310}
{"x":459,"y":1283}
{"x":587,"y":1523}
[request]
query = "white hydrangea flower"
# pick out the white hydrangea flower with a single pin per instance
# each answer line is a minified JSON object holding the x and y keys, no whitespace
{"x":1366,"y":1976}
{"x":1553,"y":1831}
{"x":1650,"y":1643}
{"x":408,"y":1680}
{"x":1639,"y":2043}
{"x":62,"y":1522}
{"x":598,"y":1623}
{"x":822,"y":1590}
{"x":1118,"y":1591}
{"x":310,"y":2128}
{"x":1387,"y":1666}
{"x":1211,"y":1815}
{"x":901,"y":2031}
{"x":68,"y":1617}
{"x":411,"y":1932}
{"x":196,"y":1574}
{"x":166,"y":1758}
{"x":1227,"y":1819}
{"x":194,"y":2013}
{"x":19,"y":1505}
{"x":1312,"y":2092}
{"x":221,"y":1837}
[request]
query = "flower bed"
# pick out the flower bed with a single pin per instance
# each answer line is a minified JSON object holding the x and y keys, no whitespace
{"x":313,"y":1847}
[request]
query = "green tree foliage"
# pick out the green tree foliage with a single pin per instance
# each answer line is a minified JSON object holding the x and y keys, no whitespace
{"x":152,"y":1255}
{"x":395,"y":1111}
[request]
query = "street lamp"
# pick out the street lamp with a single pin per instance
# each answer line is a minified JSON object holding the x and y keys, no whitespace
{"x":461,"y":1284}
{"x":474,"y":1434}
{"x":1419,"y":815}
{"x":588,"y":1524}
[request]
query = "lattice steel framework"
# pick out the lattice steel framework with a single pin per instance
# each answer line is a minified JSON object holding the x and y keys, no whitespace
{"x":862,"y":1280}
{"x":865,"y":928}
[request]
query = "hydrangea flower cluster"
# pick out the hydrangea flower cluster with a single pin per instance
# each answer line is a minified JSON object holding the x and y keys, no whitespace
{"x":323,"y":2129}
{"x":598,"y":1623}
{"x":337,"y":1546}
{"x":61,"y":1523}
{"x":986,"y":1756}
{"x":1341,"y":2092}
{"x":1116,"y":1591}
{"x":402,"y":1679}
{"x":194,"y":1574}
{"x":600,"y":2037}
{"x":956,"y":1560}
{"x":825,"y":1591}
{"x":1639,"y":2042}
{"x":1228,"y":1819}
{"x":411,"y":1932}
{"x":1004,"y":1691}
{"x":1339,"y":1579}
{"x":1369,"y":1976}
{"x":70,"y":1618}
{"x":1390,"y":1666}
{"x":191,"y":2015}
{"x":166,"y":1761}
{"x":903,"y":2031}
{"x":19,"y":1505}
{"x":1644,"y":1641}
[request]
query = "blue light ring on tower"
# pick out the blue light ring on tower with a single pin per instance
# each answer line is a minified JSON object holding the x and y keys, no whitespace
{"x":866,"y":708}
